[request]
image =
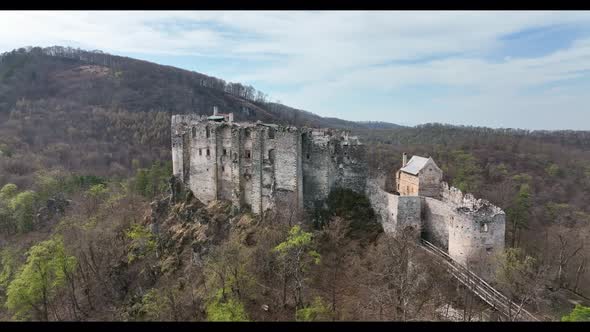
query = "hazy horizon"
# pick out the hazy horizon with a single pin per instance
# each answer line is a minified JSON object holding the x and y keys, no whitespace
{"x":501,"y":69}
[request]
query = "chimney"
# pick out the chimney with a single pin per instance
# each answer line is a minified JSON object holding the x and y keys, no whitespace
{"x":214,"y":110}
{"x":404,"y":159}
{"x":231,"y":117}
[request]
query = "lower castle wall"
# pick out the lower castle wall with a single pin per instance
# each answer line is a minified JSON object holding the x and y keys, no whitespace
{"x":475,"y":247}
{"x":455,"y":224}
{"x":409,"y":213}
{"x":384,"y":204}
{"x":393,"y":211}
{"x":437,"y":216}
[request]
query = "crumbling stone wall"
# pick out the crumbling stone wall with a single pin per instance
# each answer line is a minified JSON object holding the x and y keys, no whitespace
{"x":257,"y":165}
{"x":477,"y":235}
{"x":437,"y":216}
{"x":395,"y":212}
{"x":330,"y":159}
{"x":471,"y":230}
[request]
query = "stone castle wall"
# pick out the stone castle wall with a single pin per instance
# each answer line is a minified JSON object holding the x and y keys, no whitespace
{"x":470,"y":230}
{"x":257,"y":165}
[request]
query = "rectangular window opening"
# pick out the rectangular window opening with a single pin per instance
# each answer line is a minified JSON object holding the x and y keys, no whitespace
{"x":208,"y":153}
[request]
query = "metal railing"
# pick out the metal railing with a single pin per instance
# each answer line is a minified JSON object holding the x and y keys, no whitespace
{"x":480,"y":287}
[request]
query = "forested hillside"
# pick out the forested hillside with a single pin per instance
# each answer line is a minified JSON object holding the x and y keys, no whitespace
{"x":88,"y":232}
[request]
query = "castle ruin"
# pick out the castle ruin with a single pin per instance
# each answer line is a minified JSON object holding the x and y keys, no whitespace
{"x":258,"y":166}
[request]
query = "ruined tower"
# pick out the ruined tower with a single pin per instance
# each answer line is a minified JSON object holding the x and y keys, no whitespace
{"x":257,"y":166}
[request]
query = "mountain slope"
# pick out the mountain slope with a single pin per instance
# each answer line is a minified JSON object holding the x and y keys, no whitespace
{"x":114,"y":82}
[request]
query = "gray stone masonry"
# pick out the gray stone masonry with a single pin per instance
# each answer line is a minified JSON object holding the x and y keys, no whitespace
{"x":257,"y":165}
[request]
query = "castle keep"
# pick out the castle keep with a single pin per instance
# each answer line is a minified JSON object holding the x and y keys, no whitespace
{"x":260,"y":166}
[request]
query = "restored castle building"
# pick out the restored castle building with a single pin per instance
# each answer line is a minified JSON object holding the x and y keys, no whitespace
{"x":419,"y":177}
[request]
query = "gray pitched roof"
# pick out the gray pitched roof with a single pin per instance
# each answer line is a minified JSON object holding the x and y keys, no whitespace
{"x":415,"y":165}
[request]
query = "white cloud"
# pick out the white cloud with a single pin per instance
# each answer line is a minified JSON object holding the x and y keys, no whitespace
{"x":330,"y":54}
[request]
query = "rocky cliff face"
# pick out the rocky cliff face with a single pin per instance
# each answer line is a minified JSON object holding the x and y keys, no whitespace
{"x":186,"y":228}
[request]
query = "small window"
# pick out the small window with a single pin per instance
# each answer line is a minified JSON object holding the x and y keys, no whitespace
{"x":200,"y":152}
{"x":271,"y":156}
{"x":308,"y":156}
{"x":484,"y":228}
{"x":208,"y":153}
{"x":247,"y":133}
{"x":224,"y":152}
{"x":235,"y":156}
{"x":194,"y":132}
{"x":247,"y":154}
{"x":207,"y":131}
{"x":222,"y":169}
{"x":271,"y":133}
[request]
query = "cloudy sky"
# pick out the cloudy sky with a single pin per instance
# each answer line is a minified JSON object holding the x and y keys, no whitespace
{"x":498,"y":69}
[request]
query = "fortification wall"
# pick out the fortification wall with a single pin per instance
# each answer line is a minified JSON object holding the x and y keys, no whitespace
{"x":258,"y":165}
{"x":437,"y":216}
{"x":393,"y":211}
{"x":470,"y":230}
{"x":409,"y":213}
{"x":384,"y":204}
{"x":256,"y":168}
{"x":176,"y":131}
{"x":225,"y":184}
{"x":477,"y":235}
{"x":203,"y":173}
{"x":350,"y":164}
{"x":317,"y":167}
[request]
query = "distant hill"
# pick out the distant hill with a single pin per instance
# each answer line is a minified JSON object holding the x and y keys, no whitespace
{"x":98,"y":79}
{"x":378,"y":125}
{"x":96,"y":113}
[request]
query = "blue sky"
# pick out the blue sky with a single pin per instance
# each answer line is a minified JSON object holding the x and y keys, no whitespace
{"x":499,"y":69}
